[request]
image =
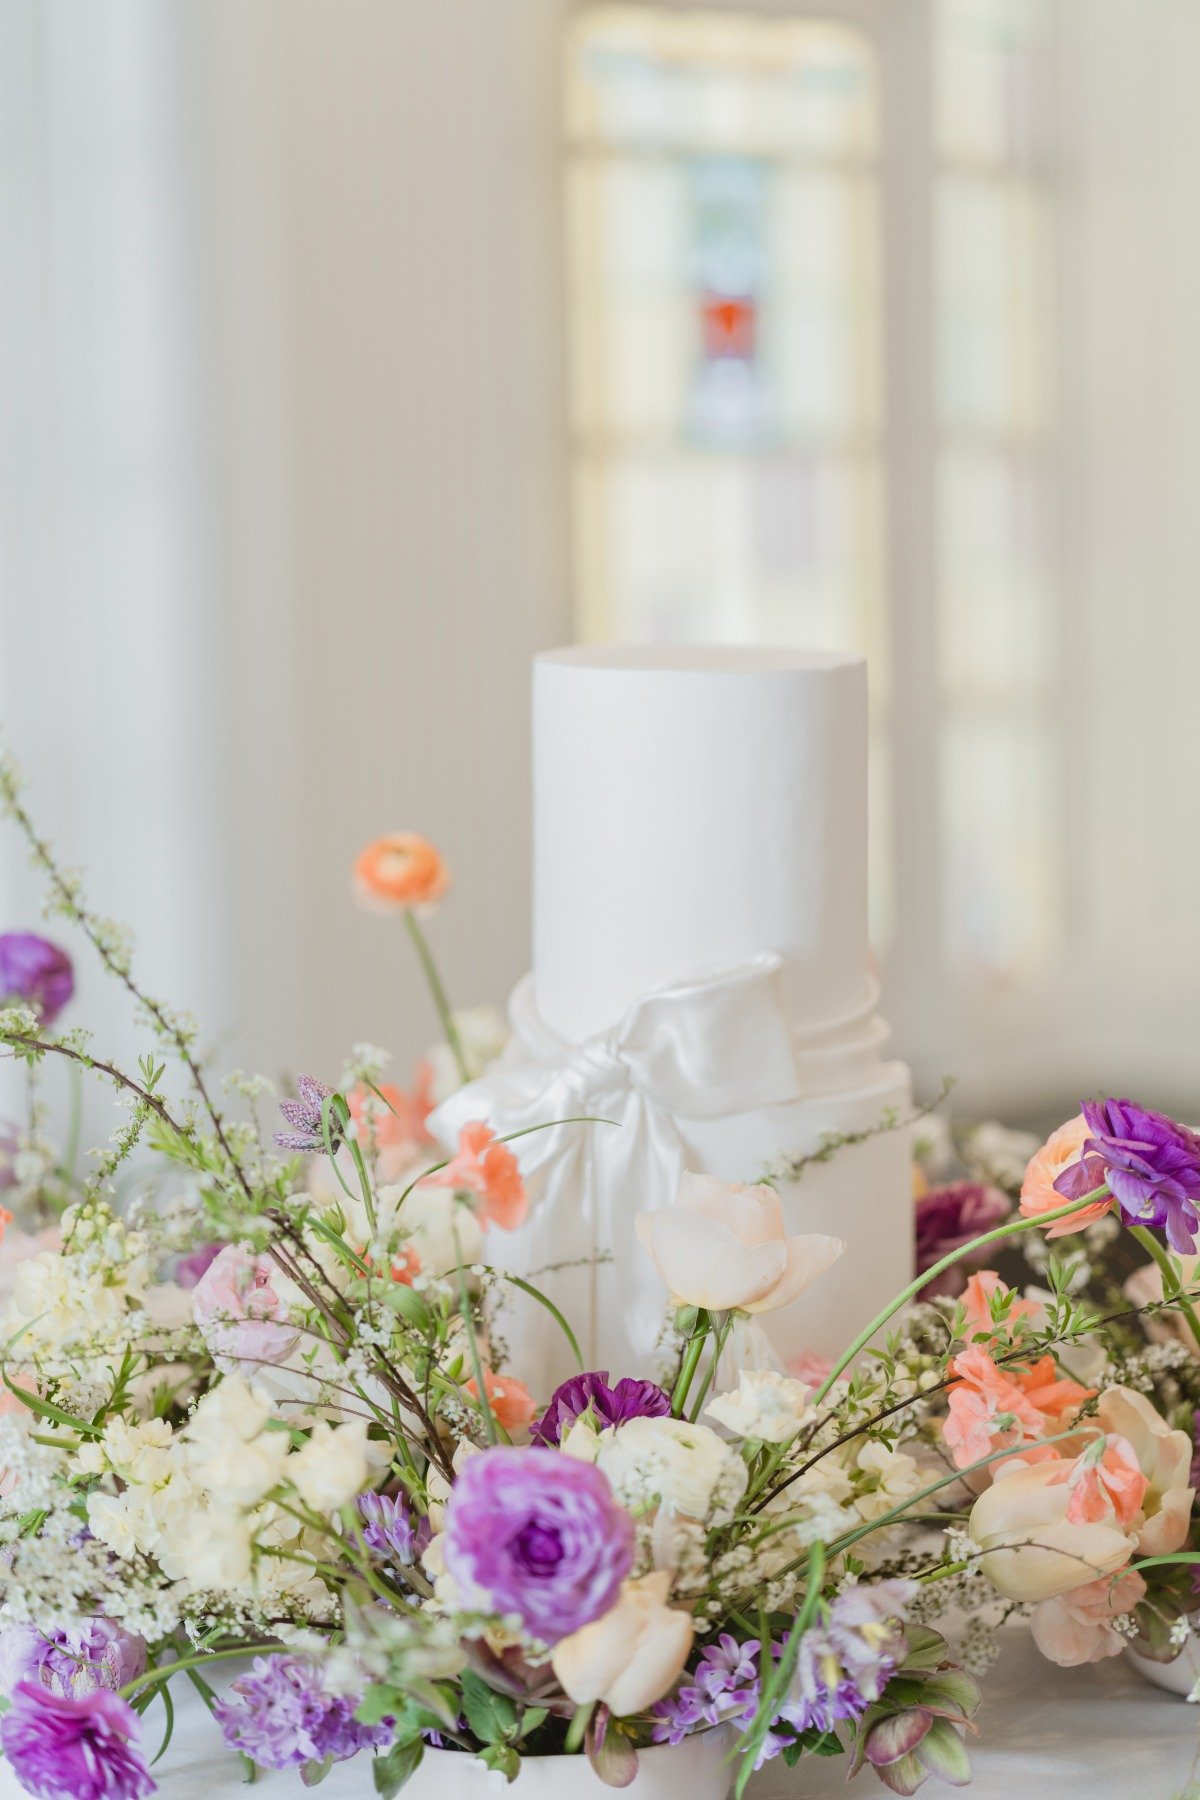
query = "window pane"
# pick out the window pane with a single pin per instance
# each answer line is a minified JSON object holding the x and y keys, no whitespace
{"x":1000,"y":831}
{"x":990,"y":78}
{"x":998,"y":599}
{"x":702,"y":80}
{"x":688,"y":546}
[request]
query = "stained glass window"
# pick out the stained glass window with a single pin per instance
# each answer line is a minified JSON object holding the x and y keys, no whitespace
{"x":724,"y":331}
{"x":731,"y":459}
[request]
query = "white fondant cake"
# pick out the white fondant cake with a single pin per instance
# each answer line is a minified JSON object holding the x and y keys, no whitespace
{"x":700,"y":824}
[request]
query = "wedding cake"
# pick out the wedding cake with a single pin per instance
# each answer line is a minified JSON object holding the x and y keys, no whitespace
{"x":701,"y":994}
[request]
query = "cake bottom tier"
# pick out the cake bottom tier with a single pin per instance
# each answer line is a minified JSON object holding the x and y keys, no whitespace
{"x":615,"y":1301}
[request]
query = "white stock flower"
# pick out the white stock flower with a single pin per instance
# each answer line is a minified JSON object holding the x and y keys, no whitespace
{"x":333,"y":1466}
{"x":683,"y":1466}
{"x":887,"y":1479}
{"x":764,"y":1405}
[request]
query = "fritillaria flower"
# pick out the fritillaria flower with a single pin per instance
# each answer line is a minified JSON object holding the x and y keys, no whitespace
{"x":304,"y":1116}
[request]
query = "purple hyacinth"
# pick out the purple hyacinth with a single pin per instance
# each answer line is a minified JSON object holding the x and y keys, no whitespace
{"x":630,"y":1399}
{"x":725,"y":1687}
{"x":35,"y":972}
{"x":1151,"y":1166}
{"x":284,"y":1716}
{"x":388,"y":1528}
{"x":845,"y":1662}
{"x":73,"y":1663}
{"x":947,"y":1219}
{"x":304,"y":1115}
{"x":74,"y":1749}
{"x":539,"y":1535}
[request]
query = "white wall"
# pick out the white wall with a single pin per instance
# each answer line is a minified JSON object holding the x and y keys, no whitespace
{"x":320,"y":296}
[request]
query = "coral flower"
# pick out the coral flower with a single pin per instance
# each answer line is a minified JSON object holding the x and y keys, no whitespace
{"x":977,"y":1304}
{"x":399,"y":871}
{"x":989,"y":1411}
{"x":400,"y":1125}
{"x":487,"y":1169}
{"x":1078,"y":1627}
{"x":512,"y":1405}
{"x":1062,"y":1149}
{"x":1106,"y":1485}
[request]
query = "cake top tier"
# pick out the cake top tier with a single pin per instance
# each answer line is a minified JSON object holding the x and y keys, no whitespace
{"x":693,"y":806}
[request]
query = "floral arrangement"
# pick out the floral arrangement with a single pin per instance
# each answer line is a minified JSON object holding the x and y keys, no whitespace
{"x":256,"y":1422}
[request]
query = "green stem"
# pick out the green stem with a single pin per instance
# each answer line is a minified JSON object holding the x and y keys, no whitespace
{"x":687,"y":1370}
{"x":1172,"y":1290}
{"x":442,"y":1004}
{"x":183,"y":1663}
{"x":1012,"y":1229}
{"x":74,"y":1120}
{"x":722,"y":1333}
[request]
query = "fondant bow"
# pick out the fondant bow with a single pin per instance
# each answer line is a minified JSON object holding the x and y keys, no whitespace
{"x":709,"y":1047}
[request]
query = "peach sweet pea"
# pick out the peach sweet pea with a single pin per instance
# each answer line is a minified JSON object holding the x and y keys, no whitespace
{"x":398,"y":1129}
{"x":487,"y":1169}
{"x":630,"y":1656}
{"x":725,"y":1247}
{"x":1078,"y":1627}
{"x":1038,"y":1192}
{"x":977,"y":1298}
{"x":399,"y":871}
{"x":1034,"y":1403}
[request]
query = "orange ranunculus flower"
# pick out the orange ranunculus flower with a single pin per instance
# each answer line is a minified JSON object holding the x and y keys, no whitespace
{"x":513,"y":1406}
{"x":1038,"y":1192}
{"x":399,"y":871}
{"x":488,"y":1170}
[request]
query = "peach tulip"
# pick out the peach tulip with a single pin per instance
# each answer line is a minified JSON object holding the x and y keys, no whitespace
{"x":1030,"y":1549}
{"x":1038,"y":1192}
{"x":630,"y":1656}
{"x":400,"y":870}
{"x":1164,"y":1458}
{"x":725,"y":1247}
{"x":1078,"y":1627}
{"x":487,"y":1169}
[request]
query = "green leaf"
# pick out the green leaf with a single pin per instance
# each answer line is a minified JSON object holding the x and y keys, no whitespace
{"x":534,"y":1293}
{"x":379,"y":1702}
{"x":491,"y":1716}
{"x":312,"y":1774}
{"x":903,"y":1777}
{"x":944,"y":1754}
{"x":411,"y":1306}
{"x":503,"y":1758}
{"x":532,"y":1718}
{"x":393,"y":1770}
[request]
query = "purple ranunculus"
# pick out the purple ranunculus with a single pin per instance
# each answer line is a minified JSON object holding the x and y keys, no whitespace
{"x":630,"y":1399}
{"x":35,"y":971}
{"x":304,"y":1115}
{"x":284,"y":1716}
{"x":540,"y":1535}
{"x":845,"y":1662}
{"x":947,"y":1219}
{"x":73,"y":1663}
{"x":191,"y":1269}
{"x":1151,"y":1166}
{"x":74,"y":1749}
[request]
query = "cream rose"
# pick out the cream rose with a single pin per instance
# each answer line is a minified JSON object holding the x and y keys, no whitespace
{"x":632,"y":1654}
{"x":725,"y":1247}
